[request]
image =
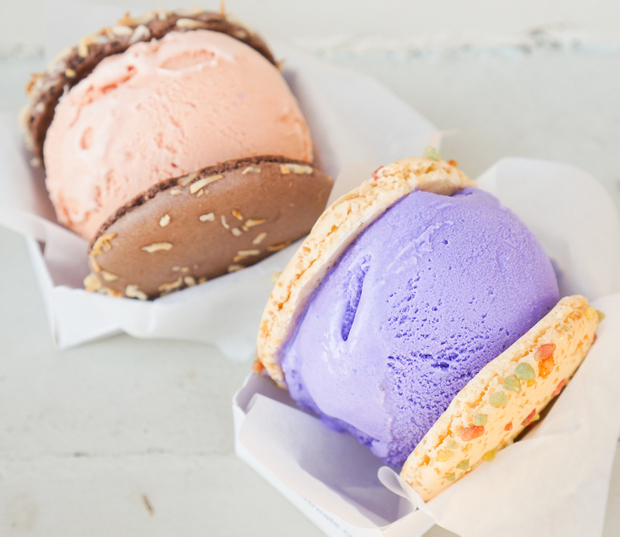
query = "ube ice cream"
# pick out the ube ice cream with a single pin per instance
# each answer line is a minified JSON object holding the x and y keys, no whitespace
{"x":428,"y":294}
{"x":162,"y":109}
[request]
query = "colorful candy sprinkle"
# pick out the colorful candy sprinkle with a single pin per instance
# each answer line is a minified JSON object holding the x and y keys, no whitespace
{"x":558,"y":388}
{"x":600,"y":315}
{"x":432,"y":153}
{"x":443,"y":455}
{"x":544,"y":351}
{"x":545,"y":367}
{"x":591,"y":313}
{"x":463,"y":465}
{"x":544,"y":355}
{"x":451,"y":444}
{"x":529,"y":418}
{"x":525,"y":371}
{"x":498,"y":399}
{"x":480,"y":419}
{"x":512,"y":383}
{"x":508,"y":426}
{"x":489,"y":455}
{"x":469,"y":433}
{"x":450,"y":477}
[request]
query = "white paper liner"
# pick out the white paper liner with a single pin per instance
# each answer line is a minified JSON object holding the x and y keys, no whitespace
{"x":356,"y":124}
{"x":552,"y":483}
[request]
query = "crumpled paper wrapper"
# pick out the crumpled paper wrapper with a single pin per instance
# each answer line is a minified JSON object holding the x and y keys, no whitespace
{"x":555,"y":481}
{"x":356,"y":124}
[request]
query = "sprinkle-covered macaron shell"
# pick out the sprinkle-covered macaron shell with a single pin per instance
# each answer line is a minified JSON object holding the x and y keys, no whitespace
{"x":194,"y":228}
{"x":503,"y":398}
{"x":75,"y":63}
{"x":336,"y":229}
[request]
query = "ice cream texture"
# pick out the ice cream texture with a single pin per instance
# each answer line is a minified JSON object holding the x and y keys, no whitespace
{"x":163,"y":109}
{"x":427,"y":295}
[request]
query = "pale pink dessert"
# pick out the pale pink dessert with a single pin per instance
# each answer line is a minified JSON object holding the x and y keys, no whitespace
{"x":163,"y":109}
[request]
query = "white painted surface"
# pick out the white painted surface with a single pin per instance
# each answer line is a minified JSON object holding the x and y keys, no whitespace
{"x":367,"y":22}
{"x":84,"y":434}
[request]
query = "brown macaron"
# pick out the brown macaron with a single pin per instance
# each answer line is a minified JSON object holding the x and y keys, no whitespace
{"x":194,"y":228}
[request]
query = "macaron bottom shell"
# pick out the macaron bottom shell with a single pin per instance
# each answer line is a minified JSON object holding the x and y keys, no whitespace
{"x":200,"y":226}
{"x":504,"y":398}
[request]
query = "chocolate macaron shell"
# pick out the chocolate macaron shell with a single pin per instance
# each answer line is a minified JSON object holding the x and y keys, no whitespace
{"x":194,"y":228}
{"x":75,"y":63}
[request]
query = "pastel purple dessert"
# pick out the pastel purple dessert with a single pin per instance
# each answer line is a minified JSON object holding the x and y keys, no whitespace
{"x":429,"y":293}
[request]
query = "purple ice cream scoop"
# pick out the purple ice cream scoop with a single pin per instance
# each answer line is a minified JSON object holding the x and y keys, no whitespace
{"x":425,"y":297}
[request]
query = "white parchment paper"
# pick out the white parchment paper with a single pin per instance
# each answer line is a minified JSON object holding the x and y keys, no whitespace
{"x":552,"y":483}
{"x":356,"y":124}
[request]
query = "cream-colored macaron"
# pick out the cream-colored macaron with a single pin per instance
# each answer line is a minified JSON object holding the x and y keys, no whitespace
{"x":503,"y":398}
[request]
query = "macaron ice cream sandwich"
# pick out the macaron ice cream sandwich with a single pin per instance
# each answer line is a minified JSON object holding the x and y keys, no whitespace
{"x":424,"y":318}
{"x":172,"y":143}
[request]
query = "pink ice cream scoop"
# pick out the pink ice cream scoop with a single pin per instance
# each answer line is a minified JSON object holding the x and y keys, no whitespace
{"x":162,"y":109}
